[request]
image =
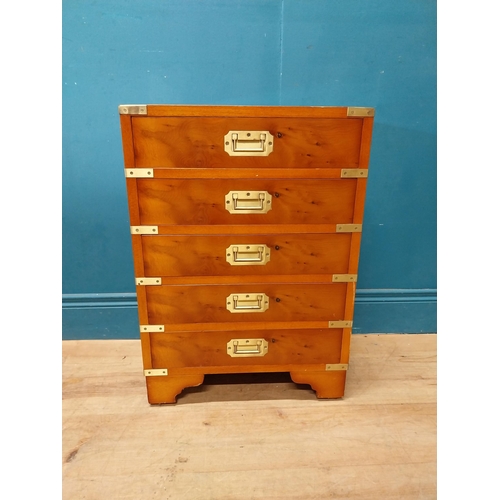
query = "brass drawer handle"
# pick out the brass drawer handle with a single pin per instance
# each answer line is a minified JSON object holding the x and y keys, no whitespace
{"x":248,"y":202}
{"x":248,"y":143}
{"x":247,"y":302}
{"x":244,"y":348}
{"x":248,"y":255}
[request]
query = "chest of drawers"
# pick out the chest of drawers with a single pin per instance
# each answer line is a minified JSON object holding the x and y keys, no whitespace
{"x":246,"y":228}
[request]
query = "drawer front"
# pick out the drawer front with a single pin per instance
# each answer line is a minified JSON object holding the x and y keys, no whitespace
{"x":200,"y":142}
{"x":269,"y":201}
{"x":271,"y":347}
{"x":236,"y":255}
{"x":184,"y":304}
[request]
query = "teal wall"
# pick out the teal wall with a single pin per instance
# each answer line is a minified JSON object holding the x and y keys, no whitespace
{"x":378,"y":53}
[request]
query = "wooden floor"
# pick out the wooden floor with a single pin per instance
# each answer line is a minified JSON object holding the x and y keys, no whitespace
{"x":251,"y":437}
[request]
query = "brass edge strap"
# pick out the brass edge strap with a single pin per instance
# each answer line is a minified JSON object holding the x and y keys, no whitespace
{"x":359,"y":111}
{"x":336,"y":367}
{"x":349,"y":228}
{"x":156,"y":372}
{"x":152,"y":328}
{"x":139,"y":173}
{"x":147,"y":281}
{"x":133,"y":109}
{"x":344,"y":278}
{"x":354,"y":173}
{"x":144,"y":229}
{"x":340,"y":324}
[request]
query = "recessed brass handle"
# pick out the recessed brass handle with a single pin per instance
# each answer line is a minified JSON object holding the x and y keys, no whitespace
{"x":256,"y":144}
{"x":248,"y":255}
{"x":244,"y":348}
{"x":247,"y":302}
{"x":248,"y":202}
{"x":248,"y":143}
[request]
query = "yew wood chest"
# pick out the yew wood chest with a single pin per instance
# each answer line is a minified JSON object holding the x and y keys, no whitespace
{"x":246,"y":228}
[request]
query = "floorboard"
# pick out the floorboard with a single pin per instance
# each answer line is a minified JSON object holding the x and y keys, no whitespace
{"x":254,"y":436}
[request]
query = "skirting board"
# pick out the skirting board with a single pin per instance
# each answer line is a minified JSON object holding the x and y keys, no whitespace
{"x":114,"y":315}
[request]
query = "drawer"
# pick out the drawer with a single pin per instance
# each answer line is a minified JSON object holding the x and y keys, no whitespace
{"x":264,"y":302}
{"x":200,"y":142}
{"x":245,"y":201}
{"x":272,"y":347}
{"x":237,"y":255}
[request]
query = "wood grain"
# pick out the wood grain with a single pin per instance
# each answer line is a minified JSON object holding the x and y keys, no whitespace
{"x":327,"y":385}
{"x":239,"y":173}
{"x":251,"y":278}
{"x":256,"y":326}
{"x":142,"y":304}
{"x":202,"y":201}
{"x":248,"y":111}
{"x":127,"y":141}
{"x":207,"y":303}
{"x":289,"y":254}
{"x":199,"y":349}
{"x":248,"y":229}
{"x":350,"y":299}
{"x":198,"y":142}
{"x":164,"y":390}
{"x":275,"y":437}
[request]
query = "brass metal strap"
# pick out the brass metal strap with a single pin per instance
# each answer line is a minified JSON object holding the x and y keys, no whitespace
{"x":354,"y":173}
{"x":152,"y":328}
{"x":336,"y":367}
{"x":144,"y":229}
{"x":133,"y":109}
{"x":357,"y":111}
{"x":156,"y":372}
{"x":349,"y":228}
{"x":340,"y":324}
{"x":147,"y":281}
{"x":344,"y":278}
{"x":139,"y":173}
